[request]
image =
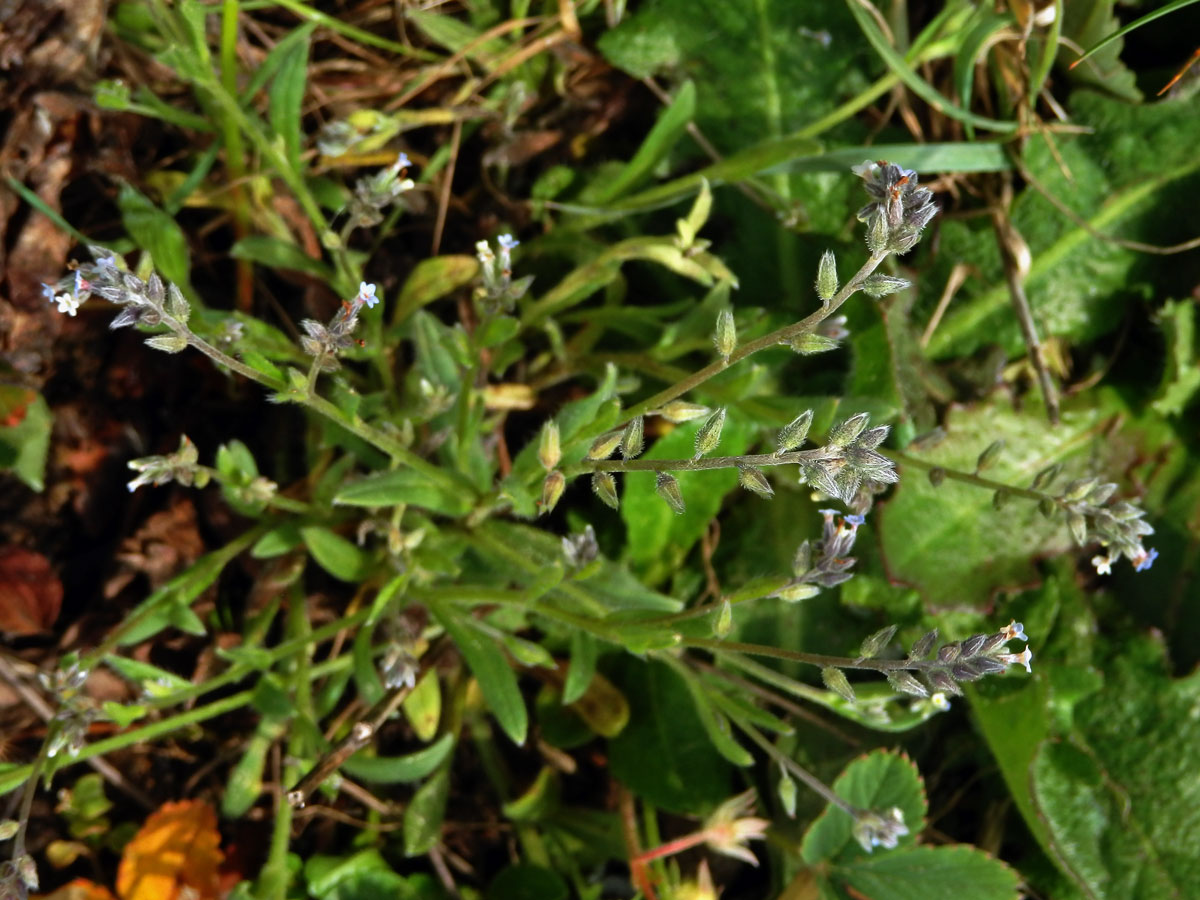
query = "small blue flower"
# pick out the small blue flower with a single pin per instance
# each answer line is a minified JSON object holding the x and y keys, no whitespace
{"x":1015,"y":630}
{"x":48,"y":291}
{"x":855,"y":521}
{"x":82,"y":287}
{"x":1145,"y":559}
{"x":107,"y":262}
{"x":507,"y":242}
{"x":366,"y":294}
{"x":402,"y":162}
{"x":828,"y":513}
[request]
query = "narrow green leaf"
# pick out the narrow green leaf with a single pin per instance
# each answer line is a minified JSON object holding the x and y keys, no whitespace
{"x":487,"y":662}
{"x":584,"y":652}
{"x":336,"y":555}
{"x":159,"y":234}
{"x":399,"y":769}
{"x":276,"y":253}
{"x":403,"y":486}
{"x":424,"y":814}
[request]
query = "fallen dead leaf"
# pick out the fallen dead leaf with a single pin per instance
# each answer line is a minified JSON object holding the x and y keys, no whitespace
{"x":30,"y":592}
{"x":178,"y":847}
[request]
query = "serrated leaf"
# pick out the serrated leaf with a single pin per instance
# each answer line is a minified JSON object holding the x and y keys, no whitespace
{"x":931,"y":873}
{"x":877,"y":781}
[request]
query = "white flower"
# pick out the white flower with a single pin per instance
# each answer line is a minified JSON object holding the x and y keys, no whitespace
{"x":1103,"y":565}
{"x":67,"y":304}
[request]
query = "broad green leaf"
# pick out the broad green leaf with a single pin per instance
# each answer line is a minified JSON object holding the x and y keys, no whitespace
{"x":495,"y":676}
{"x":1129,"y":176}
{"x":1093,"y":23}
{"x":277,"y":253}
{"x":664,"y":755}
{"x":399,"y":769}
{"x":1181,"y":379}
{"x":930,"y":873}
{"x":25,"y":421}
{"x":403,"y":486}
{"x":159,"y":234}
{"x":949,"y":542}
{"x":277,"y":541}
{"x":658,"y":539}
{"x":333,"y":553}
{"x":1119,"y":796}
{"x":878,"y":782}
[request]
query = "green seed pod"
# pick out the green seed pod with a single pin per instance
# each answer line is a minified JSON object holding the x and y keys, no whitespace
{"x":988,"y":456}
{"x":871,"y":646}
{"x":802,"y":561}
{"x":881,"y":285}
{"x":753,"y":479}
{"x":552,"y":490}
{"x":787,"y":794}
{"x":905,"y":683}
{"x":605,"y":487}
{"x":794,"y":433}
{"x":549,"y":448}
{"x":937,"y":476}
{"x":836,"y":681}
{"x":1078,"y":525}
{"x":1047,"y":507}
{"x":1000,"y":499}
{"x":724,"y":623}
{"x":633,"y":438}
{"x":668,"y":488}
{"x":603,"y":446}
{"x":678,"y":411}
{"x":827,"y":279}
{"x":810,"y":344}
{"x":844,"y":434}
{"x":1079,"y":488}
{"x":1044,"y":478}
{"x":794,"y":593}
{"x":725,"y":337}
{"x":709,"y":434}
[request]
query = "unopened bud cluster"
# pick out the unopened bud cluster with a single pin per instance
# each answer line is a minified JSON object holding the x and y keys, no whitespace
{"x":849,"y":461}
{"x":375,"y":193}
{"x":326,"y":342}
{"x":499,"y":291}
{"x":899,"y":209}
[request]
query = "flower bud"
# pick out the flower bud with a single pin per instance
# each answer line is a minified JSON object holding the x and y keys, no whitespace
{"x":549,"y":449}
{"x":709,"y":434}
{"x":605,"y":487}
{"x":905,"y":683}
{"x":845,"y":433}
{"x":725,"y":337}
{"x":827,"y":280}
{"x":1078,"y":525}
{"x":787,"y":794}
{"x":877,"y":233}
{"x":633,"y":438}
{"x":668,"y":488}
{"x":552,"y":490}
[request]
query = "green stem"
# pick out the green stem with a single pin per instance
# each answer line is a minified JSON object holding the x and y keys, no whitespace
{"x":812,"y":659}
{"x":904,"y":459}
{"x":782,"y":335}
{"x":812,"y":781}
